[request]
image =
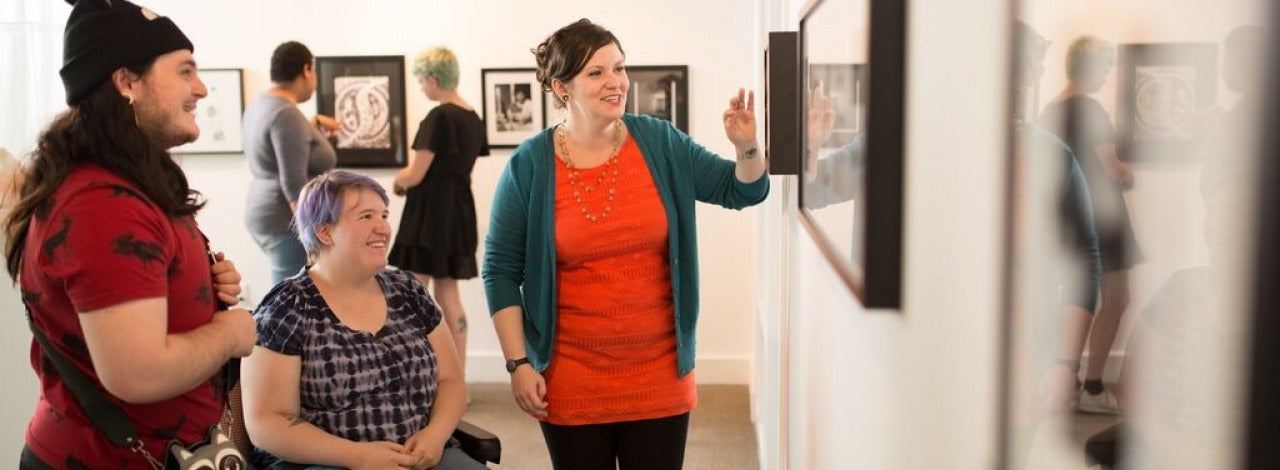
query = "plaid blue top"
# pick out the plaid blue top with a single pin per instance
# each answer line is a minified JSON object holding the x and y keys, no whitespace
{"x":357,"y":385}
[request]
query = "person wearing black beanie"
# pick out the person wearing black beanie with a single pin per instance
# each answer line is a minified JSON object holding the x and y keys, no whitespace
{"x":104,"y":244}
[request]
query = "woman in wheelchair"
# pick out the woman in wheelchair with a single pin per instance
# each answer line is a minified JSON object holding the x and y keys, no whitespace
{"x":352,"y":367}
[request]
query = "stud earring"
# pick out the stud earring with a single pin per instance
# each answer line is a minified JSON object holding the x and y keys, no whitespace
{"x":128,"y":97}
{"x":565,"y":97}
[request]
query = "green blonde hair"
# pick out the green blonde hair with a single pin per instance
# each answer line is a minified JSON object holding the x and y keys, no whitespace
{"x":438,"y":62}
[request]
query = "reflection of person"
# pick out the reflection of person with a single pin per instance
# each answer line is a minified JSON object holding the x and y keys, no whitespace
{"x":283,"y":151}
{"x":437,"y":237}
{"x":1080,"y":121}
{"x":1039,"y":155}
{"x":593,"y":226}
{"x":317,"y":391}
{"x":104,"y":244}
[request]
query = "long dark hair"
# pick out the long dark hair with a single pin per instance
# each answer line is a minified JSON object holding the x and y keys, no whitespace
{"x":102,"y":130}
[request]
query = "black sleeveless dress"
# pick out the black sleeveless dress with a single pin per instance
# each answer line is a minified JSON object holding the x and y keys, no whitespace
{"x":437,"y":234}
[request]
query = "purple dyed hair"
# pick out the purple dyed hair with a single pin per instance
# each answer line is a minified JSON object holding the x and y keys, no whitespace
{"x":321,"y":203}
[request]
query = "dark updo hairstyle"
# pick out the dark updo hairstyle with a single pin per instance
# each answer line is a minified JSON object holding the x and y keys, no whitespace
{"x":289,"y":60}
{"x":565,"y":52}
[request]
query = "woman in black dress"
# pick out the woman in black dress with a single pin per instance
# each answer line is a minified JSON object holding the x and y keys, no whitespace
{"x":437,"y":236}
{"x":1086,"y":127}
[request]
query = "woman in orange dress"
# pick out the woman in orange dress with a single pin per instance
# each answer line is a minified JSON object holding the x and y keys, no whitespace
{"x":590,"y":262}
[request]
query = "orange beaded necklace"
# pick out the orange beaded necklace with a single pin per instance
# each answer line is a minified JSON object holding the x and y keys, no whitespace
{"x":581,"y":188}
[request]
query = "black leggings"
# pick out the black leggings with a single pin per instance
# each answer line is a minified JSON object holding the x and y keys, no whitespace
{"x":656,"y":444}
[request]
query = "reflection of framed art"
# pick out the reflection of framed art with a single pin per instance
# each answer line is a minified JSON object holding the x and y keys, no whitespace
{"x":851,"y":177}
{"x":366,"y":96}
{"x":218,"y":114}
{"x":514,"y":106}
{"x":661,"y":91}
{"x":1162,"y":89}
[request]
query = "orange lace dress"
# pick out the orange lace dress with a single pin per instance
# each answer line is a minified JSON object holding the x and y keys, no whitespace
{"x":614,"y":357}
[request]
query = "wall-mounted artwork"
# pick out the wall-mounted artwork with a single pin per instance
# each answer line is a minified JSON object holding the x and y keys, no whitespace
{"x":1162,"y":90}
{"x":851,"y":172}
{"x":218,"y":114}
{"x":366,"y":96}
{"x":514,"y":105}
{"x":661,"y":91}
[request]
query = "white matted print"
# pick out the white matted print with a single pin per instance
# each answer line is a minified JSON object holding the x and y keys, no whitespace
{"x":514,"y":106}
{"x":218,"y":114}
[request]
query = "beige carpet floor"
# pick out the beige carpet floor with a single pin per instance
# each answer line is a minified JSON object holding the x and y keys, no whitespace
{"x":721,"y":436}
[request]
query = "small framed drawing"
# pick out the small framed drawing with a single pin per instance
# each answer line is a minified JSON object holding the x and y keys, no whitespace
{"x":1163,"y":89}
{"x":661,"y":91}
{"x":514,"y":105}
{"x":218,"y":114}
{"x":366,"y":96}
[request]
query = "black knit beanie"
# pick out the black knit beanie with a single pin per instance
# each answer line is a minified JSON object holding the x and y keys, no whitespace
{"x":104,"y":35}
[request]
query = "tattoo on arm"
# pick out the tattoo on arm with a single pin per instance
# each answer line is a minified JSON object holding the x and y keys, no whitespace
{"x":294,"y":420}
{"x":749,"y":154}
{"x":462,"y":324}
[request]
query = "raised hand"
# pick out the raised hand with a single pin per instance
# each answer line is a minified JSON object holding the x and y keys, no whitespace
{"x":740,"y":119}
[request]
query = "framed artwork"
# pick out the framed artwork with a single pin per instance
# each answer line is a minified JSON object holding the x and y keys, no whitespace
{"x":218,"y":114}
{"x":1162,"y":90}
{"x":366,"y":96}
{"x":661,"y":91}
{"x":851,"y":173}
{"x":515,"y":107}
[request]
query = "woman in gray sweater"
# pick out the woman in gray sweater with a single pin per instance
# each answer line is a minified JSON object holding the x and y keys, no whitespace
{"x":284,"y":150}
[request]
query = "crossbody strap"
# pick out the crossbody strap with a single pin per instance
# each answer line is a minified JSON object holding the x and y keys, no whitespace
{"x":105,"y":415}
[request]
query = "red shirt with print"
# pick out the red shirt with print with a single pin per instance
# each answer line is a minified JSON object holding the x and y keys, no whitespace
{"x":100,"y":242}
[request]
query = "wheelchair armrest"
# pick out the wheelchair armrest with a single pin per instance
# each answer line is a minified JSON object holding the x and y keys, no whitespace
{"x":478,"y":443}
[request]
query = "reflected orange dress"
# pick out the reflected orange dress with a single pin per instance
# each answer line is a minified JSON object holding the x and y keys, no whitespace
{"x":614,"y":357}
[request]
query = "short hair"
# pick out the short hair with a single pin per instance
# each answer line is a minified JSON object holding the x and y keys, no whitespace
{"x":289,"y":60}
{"x":1030,"y":53}
{"x":439,"y":62}
{"x":320,"y":203}
{"x":1087,"y":56}
{"x":565,"y":52}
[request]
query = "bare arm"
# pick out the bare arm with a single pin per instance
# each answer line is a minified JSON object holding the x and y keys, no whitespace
{"x":139,"y":361}
{"x":740,"y":128}
{"x":451,"y":399}
{"x":413,"y":174}
{"x":1118,"y":169}
{"x":528,"y":386}
{"x":270,"y":382}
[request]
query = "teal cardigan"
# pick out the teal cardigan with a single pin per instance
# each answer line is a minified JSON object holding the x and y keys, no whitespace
{"x":520,"y":254}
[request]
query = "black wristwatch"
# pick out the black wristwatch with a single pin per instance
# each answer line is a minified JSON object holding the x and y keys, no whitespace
{"x":513,"y":364}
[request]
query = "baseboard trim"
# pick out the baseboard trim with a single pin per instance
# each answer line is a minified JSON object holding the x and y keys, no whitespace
{"x":490,"y":367}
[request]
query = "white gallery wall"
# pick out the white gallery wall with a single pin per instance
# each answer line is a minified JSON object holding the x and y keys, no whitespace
{"x":916,"y":387}
{"x":717,"y":40}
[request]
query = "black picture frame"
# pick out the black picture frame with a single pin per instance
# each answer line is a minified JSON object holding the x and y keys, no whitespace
{"x":661,"y":91}
{"x":507,"y":120}
{"x":218,"y":115}
{"x":851,"y":191}
{"x":782,"y":103}
{"x":365,"y":94}
{"x":1162,"y":89}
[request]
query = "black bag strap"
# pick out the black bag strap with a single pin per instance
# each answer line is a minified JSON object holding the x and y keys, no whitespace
{"x":106,"y":416}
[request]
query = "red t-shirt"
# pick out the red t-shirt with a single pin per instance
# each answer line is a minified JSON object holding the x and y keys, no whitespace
{"x":100,"y":242}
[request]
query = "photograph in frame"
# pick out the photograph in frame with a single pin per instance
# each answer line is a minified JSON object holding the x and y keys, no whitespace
{"x":365,"y":95}
{"x":661,"y":91}
{"x":1163,"y":90}
{"x":514,"y":105}
{"x":218,"y":114}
